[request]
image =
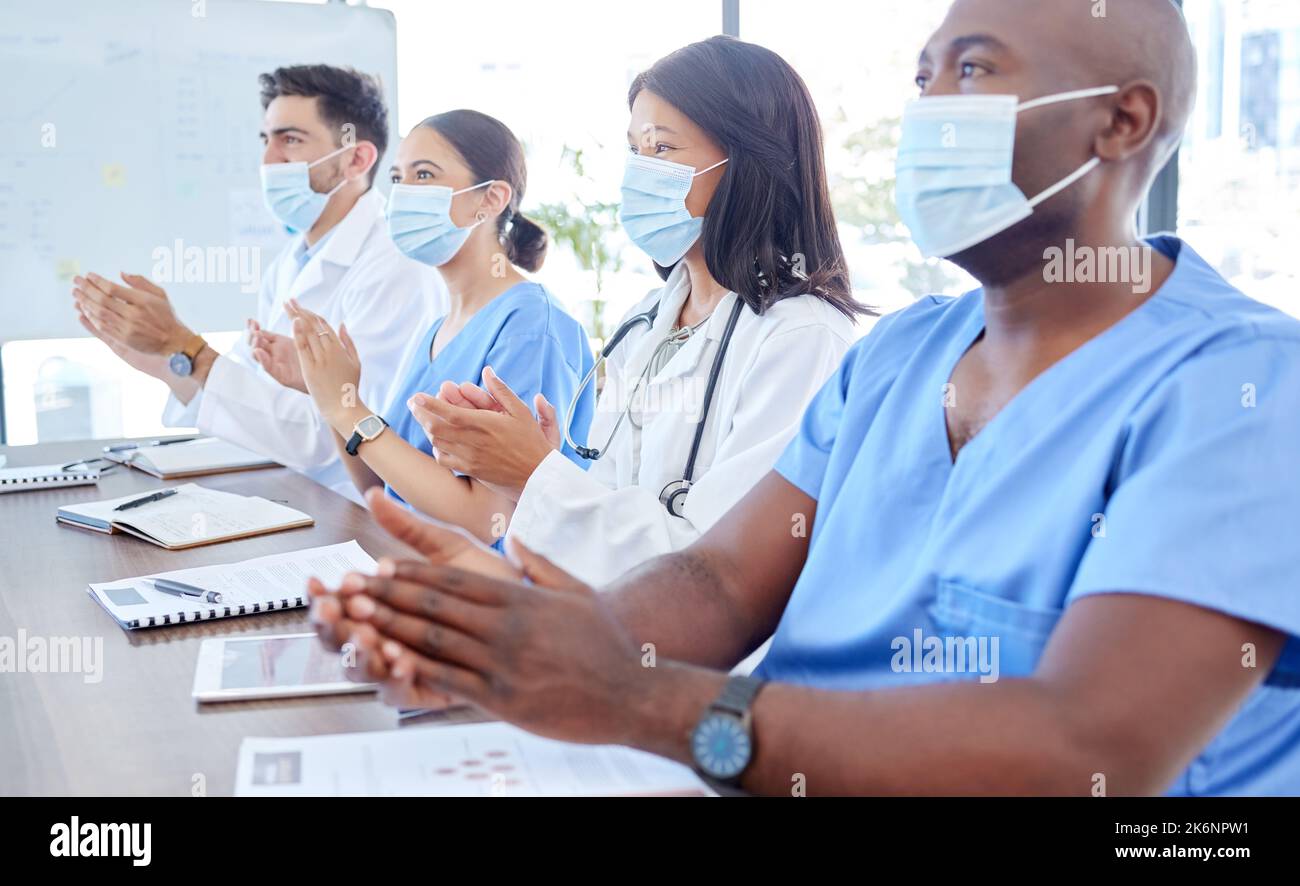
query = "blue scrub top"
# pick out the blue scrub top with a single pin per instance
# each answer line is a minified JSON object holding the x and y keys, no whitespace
{"x":1159,"y":458}
{"x":531,"y":343}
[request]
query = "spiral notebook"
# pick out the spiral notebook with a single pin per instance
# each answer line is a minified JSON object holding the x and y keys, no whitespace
{"x":43,"y":477}
{"x":263,"y":584}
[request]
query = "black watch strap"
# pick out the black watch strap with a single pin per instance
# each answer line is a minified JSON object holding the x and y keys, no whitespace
{"x":356,"y":439}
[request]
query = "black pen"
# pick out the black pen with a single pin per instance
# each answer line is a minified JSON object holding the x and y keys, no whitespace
{"x":180,"y":589}
{"x":135,"y":503}
{"x":127,"y":447}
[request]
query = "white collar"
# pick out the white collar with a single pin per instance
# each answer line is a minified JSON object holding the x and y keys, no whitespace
{"x":344,"y":241}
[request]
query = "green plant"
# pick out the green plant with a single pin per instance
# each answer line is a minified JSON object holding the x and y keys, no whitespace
{"x":584,"y":225}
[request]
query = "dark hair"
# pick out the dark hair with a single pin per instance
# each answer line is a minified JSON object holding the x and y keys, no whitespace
{"x":772,"y":203}
{"x":343,"y":96}
{"x":492,"y":152}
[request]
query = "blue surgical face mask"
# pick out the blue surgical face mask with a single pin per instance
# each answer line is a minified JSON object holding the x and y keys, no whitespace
{"x":654,"y":212}
{"x":289,"y":195}
{"x":954,"y":187}
{"x":419,"y":221}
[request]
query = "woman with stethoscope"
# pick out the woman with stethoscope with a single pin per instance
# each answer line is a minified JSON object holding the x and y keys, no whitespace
{"x":707,"y":378}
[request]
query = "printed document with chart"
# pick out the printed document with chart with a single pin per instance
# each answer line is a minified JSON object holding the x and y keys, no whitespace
{"x":472,"y":760}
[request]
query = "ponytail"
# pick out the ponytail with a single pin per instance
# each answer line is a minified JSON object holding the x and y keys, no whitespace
{"x":525,"y":242}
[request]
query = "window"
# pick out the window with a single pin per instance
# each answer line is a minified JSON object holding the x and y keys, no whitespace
{"x":1239,"y":168}
{"x":566,"y":100}
{"x":860,"y":72}
{"x":565,"y":97}
{"x":77,"y":389}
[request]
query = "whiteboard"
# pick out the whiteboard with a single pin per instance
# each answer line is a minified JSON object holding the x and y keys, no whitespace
{"x":129,"y":125}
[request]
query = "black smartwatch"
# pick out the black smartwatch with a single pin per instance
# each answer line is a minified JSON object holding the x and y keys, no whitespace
{"x":367,"y":429}
{"x":722,"y":743}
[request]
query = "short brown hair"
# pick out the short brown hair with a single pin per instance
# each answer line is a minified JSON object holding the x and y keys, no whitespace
{"x":343,"y":96}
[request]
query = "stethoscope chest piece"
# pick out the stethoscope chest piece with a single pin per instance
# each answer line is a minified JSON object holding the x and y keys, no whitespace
{"x":673,"y":497}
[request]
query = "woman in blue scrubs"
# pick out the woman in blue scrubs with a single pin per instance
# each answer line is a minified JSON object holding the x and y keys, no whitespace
{"x":457,"y":185}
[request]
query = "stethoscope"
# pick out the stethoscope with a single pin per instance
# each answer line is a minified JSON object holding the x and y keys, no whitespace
{"x":672,"y":496}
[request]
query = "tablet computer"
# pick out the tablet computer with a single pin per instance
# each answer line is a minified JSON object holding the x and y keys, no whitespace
{"x":276,"y":666}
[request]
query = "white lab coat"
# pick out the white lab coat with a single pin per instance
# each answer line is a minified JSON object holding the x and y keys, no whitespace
{"x":599,"y":523}
{"x":358,"y":277}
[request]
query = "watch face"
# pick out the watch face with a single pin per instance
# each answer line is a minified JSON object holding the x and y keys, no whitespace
{"x":721,"y":746}
{"x":180,"y":364}
{"x":370,"y":426}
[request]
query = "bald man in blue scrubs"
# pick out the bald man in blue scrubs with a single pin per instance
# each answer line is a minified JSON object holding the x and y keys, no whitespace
{"x":1052,"y":521}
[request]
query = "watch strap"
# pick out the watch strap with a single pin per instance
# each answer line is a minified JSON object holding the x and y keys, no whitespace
{"x":734,"y":701}
{"x":738,"y":694}
{"x":194,"y":346}
{"x":355,"y":441}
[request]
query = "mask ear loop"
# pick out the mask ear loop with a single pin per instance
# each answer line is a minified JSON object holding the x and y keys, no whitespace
{"x":1066,"y":97}
{"x":480,"y":216}
{"x":711,"y":168}
{"x":329,"y":155}
{"x":1085,"y":168}
{"x":1066,"y":182}
{"x":334,"y":190}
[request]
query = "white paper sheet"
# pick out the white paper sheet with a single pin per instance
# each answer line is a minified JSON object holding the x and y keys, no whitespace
{"x":473,"y":760}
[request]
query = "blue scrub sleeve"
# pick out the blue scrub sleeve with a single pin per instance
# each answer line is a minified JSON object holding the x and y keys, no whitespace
{"x":804,"y":460}
{"x":1206,"y":491}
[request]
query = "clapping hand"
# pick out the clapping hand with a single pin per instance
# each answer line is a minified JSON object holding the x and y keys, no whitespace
{"x":488,"y":433}
{"x":331,"y":368}
{"x":278,"y":355}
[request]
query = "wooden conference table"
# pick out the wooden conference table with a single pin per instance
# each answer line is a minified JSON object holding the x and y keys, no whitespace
{"x":138,"y":731}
